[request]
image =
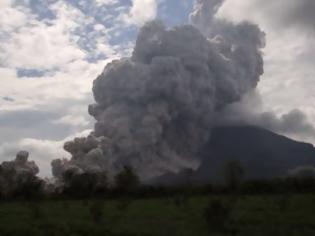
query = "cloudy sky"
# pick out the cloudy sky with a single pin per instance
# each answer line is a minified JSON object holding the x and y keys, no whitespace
{"x":52,"y":50}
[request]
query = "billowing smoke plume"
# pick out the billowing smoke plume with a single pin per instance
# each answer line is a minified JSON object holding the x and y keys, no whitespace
{"x":294,"y":123}
{"x":18,"y":174}
{"x":156,"y":109}
{"x":239,"y":44}
{"x":21,"y":165}
{"x":250,"y":111}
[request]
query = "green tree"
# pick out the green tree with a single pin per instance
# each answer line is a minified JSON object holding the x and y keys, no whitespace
{"x":84,"y":184}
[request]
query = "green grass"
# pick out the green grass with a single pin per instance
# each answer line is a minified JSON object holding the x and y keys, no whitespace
{"x":249,"y":215}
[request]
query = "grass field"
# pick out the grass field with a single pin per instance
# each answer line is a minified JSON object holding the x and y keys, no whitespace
{"x":247,"y":215}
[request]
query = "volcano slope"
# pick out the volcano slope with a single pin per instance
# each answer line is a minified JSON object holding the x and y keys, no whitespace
{"x":261,"y":154}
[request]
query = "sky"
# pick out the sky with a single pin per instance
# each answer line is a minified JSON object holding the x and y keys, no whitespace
{"x":52,"y":50}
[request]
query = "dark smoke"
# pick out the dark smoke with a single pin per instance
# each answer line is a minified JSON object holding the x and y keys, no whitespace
{"x":250,"y":111}
{"x":18,"y":175}
{"x":156,"y":109}
{"x":287,"y":14}
{"x":20,"y":165}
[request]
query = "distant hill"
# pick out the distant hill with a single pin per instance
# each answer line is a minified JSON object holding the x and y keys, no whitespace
{"x":261,"y":153}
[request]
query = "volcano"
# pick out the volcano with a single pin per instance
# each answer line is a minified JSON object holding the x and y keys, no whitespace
{"x":262,"y":154}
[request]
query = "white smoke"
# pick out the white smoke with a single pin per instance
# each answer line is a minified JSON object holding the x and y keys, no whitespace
{"x":302,"y":172}
{"x":156,"y":109}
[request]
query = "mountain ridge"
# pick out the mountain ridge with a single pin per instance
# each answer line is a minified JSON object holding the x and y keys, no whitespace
{"x":261,"y":153}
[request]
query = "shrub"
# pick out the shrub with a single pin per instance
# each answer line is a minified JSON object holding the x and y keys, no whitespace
{"x":85,"y":184}
{"x":217,"y":215}
{"x":284,"y":202}
{"x":96,"y":210}
{"x":123,"y":204}
{"x":35,"y":210}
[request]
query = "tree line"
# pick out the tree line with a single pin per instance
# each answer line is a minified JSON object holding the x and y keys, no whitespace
{"x":24,"y":184}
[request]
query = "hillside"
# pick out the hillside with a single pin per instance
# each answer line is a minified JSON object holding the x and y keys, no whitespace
{"x":261,"y":153}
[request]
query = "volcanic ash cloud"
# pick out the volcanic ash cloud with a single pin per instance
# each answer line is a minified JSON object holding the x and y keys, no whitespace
{"x":155,"y":109}
{"x":19,"y":173}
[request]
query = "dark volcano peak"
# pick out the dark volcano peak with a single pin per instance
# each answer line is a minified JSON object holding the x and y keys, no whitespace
{"x":261,"y":153}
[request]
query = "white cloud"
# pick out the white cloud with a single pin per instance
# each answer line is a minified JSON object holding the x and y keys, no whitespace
{"x":99,"y":27}
{"x":106,"y":2}
{"x":10,"y":18}
{"x":42,"y":112}
{"x":141,"y":12}
{"x":5,"y":3}
{"x":43,"y":45}
{"x":77,"y":121}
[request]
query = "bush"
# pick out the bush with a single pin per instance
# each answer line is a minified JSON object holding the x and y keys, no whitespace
{"x":35,"y":210}
{"x":85,"y":184}
{"x":123,"y":204}
{"x":217,"y":215}
{"x":97,"y":211}
{"x":284,"y":202}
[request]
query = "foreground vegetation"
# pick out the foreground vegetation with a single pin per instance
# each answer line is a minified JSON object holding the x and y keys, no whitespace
{"x":85,"y":204}
{"x":276,"y":214}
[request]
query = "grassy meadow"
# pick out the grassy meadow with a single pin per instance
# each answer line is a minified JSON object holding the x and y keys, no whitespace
{"x":192,"y":216}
